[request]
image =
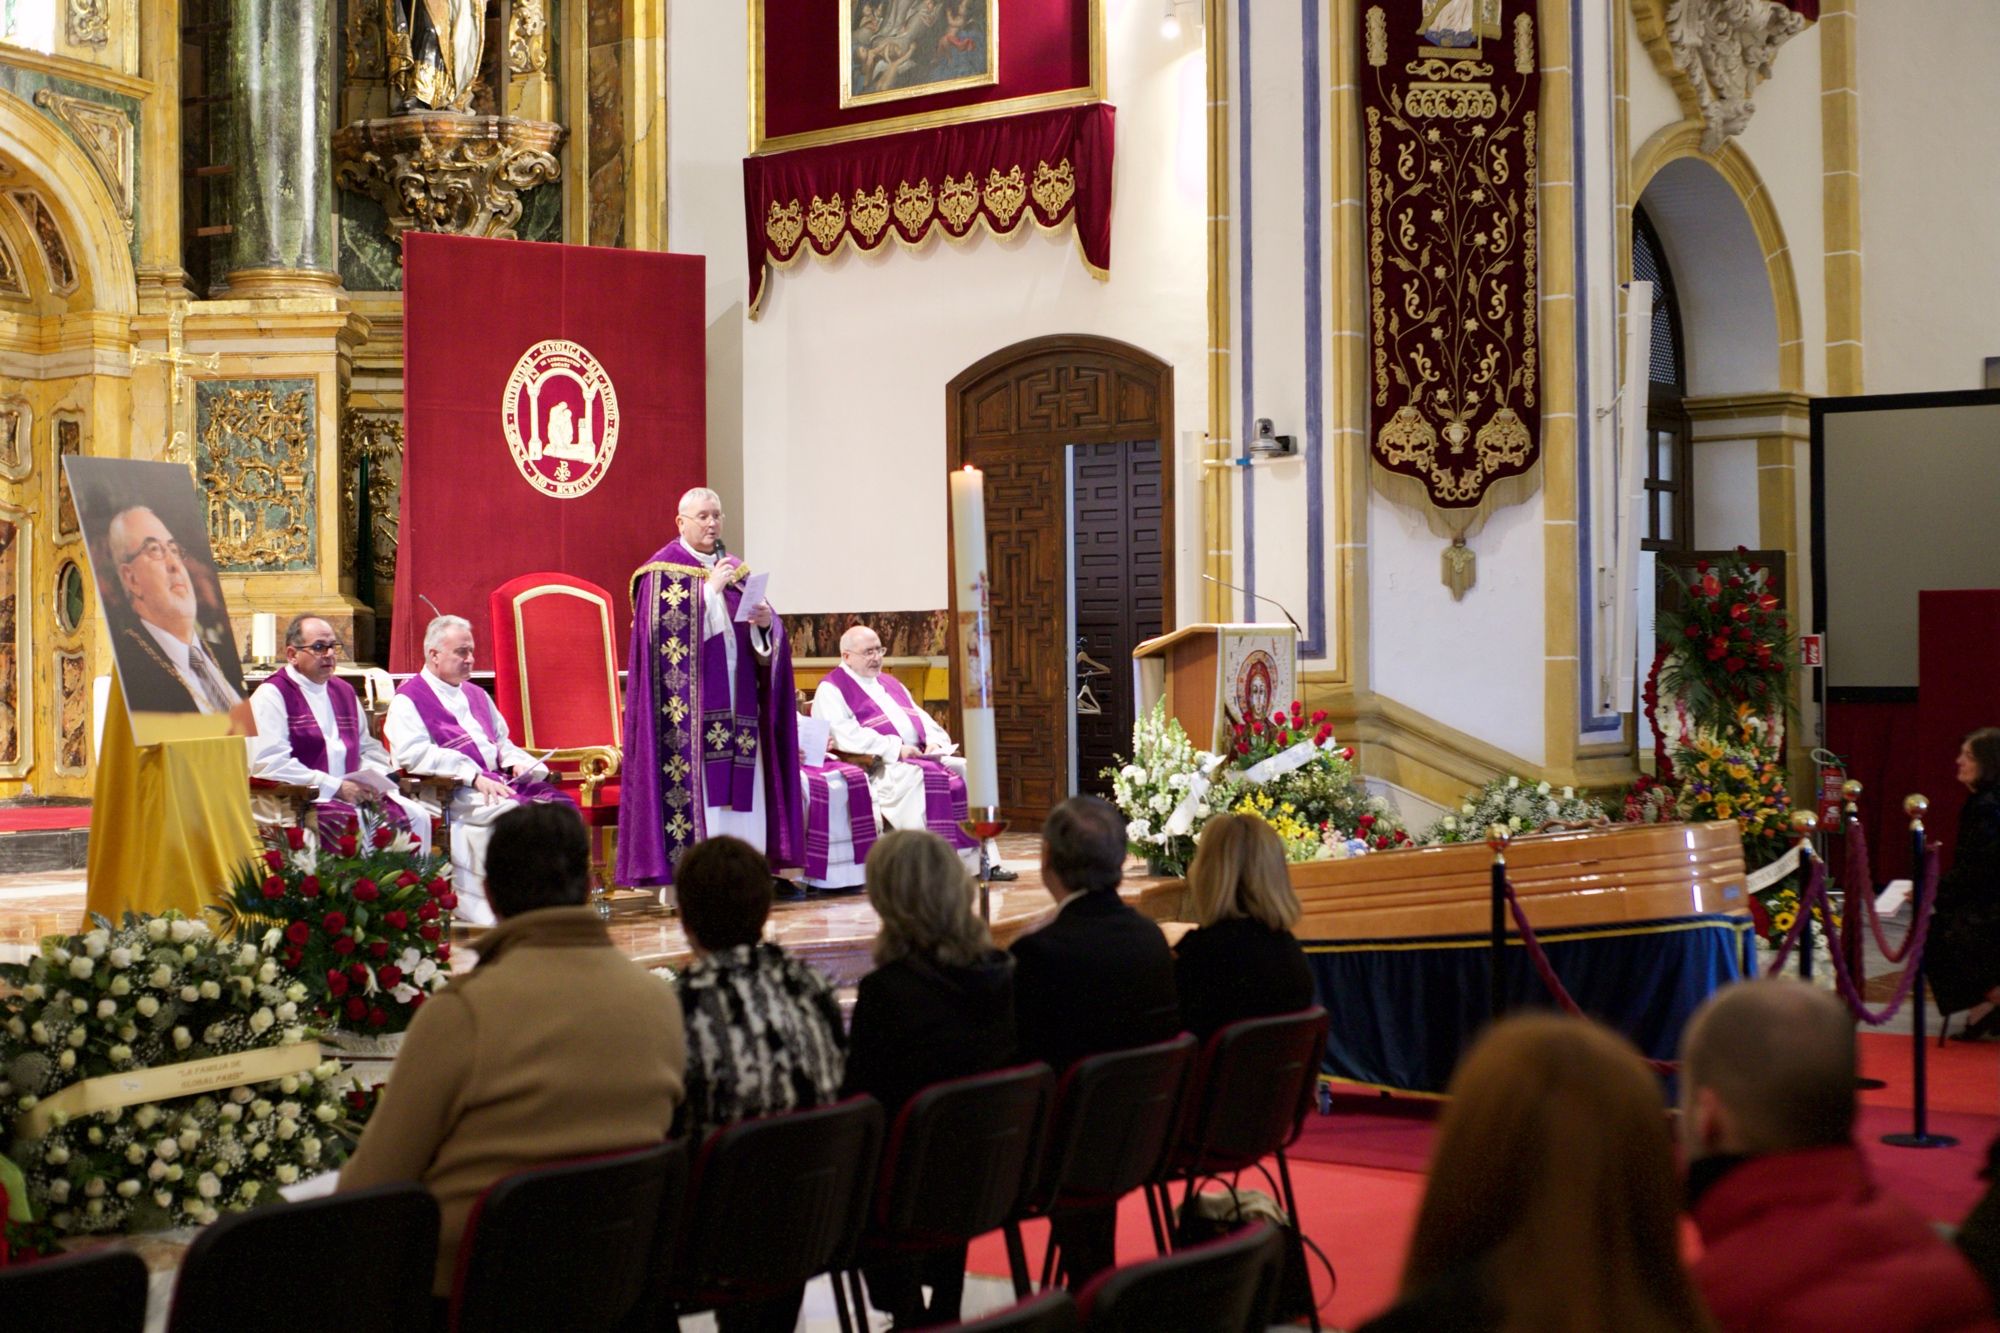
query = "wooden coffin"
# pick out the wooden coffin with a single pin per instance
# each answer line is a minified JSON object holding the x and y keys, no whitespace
{"x":1627,"y":872}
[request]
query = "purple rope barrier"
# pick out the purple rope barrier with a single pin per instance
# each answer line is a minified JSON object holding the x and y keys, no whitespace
{"x":1913,"y":946}
{"x":1861,"y":889}
{"x":1553,"y":983}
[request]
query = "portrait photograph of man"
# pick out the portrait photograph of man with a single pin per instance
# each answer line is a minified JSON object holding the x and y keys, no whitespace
{"x":170,"y":634}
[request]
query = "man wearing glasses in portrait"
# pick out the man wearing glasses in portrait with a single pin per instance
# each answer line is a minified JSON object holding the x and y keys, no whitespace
{"x":166,"y":663}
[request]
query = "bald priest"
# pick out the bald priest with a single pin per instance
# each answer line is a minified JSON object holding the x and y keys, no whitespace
{"x":711,"y":718}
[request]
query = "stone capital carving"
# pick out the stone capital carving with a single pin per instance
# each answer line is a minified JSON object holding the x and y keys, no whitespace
{"x":445,"y":172}
{"x":89,"y":22}
{"x":1724,"y":48}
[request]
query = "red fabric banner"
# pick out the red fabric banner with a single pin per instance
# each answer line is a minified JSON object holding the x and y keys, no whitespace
{"x":1045,"y":49}
{"x":555,"y":408}
{"x":1053,"y":167}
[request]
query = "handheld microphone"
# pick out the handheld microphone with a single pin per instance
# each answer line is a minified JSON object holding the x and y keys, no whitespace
{"x":1262,"y":598}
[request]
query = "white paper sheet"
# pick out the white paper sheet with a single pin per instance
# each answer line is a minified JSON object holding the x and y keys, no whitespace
{"x":753,"y":596}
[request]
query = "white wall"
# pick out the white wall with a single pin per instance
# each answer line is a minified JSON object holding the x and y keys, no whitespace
{"x":1725,"y":495}
{"x":1930,"y":195}
{"x":827,"y":414}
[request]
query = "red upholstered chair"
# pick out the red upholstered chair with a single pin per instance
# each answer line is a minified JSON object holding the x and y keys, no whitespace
{"x":555,"y":677}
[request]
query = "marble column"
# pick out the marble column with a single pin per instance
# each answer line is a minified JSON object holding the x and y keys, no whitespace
{"x":281,"y":193}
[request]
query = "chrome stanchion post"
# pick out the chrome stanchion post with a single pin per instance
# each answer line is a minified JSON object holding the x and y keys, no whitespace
{"x":1916,"y":807}
{"x":1497,"y":838}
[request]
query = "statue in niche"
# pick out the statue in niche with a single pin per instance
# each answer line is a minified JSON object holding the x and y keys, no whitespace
{"x":435,"y":51}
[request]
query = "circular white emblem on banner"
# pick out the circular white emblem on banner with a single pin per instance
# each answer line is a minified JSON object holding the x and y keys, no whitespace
{"x":560,"y":414}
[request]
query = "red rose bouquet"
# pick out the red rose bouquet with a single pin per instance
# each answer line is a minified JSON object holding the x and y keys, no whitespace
{"x":363,"y":920}
{"x":1729,"y":645}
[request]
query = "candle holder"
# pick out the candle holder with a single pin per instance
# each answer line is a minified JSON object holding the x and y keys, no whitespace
{"x":982,"y":822}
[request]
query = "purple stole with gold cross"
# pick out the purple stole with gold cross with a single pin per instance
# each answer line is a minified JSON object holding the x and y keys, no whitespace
{"x":944,"y":790}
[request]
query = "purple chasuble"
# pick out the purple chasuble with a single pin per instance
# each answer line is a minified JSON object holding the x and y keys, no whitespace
{"x":819,"y":815}
{"x":944,"y":790}
{"x":443,"y":726}
{"x":694,"y":736}
{"x":309,"y":748}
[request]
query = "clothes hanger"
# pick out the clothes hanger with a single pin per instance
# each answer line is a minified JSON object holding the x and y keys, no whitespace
{"x":1086,"y":702}
{"x":1091,"y":666}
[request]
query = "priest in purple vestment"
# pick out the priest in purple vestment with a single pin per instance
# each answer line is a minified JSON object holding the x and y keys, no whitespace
{"x":920,"y":781}
{"x":711,"y":715}
{"x":310,"y":733}
{"x":440,"y":724}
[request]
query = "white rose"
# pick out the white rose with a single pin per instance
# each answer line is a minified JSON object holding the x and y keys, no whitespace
{"x":148,"y":1006}
{"x":163,"y":1198}
{"x":287,"y":1129}
{"x":135,"y":1153}
{"x":231,"y":1112}
{"x":174,"y":1172}
{"x":16,"y":1028}
{"x":244,"y":985}
{"x":241,"y":1095}
{"x":260,"y":1109}
{"x":1512,"y":783}
{"x":163,"y":977}
{"x":33,"y":992}
{"x":156,"y":930}
{"x":166,"y":1150}
{"x":260,"y":1152}
{"x":208,"y":1186}
{"x":287,"y":1173}
{"x":59,"y":1191}
{"x":189,"y":994}
{"x":247,"y":955}
{"x":93,"y":1189}
{"x":297,"y":990}
{"x":121,"y":986}
{"x":59,"y":956}
{"x":126,"y":1032}
{"x":157,"y":1171}
{"x":210,"y":991}
{"x":287,"y":1012}
{"x":310,"y":1149}
{"x":121,"y":957}
{"x":1448,"y":822}
{"x":107,"y":1008}
{"x":1514,"y":822}
{"x":77,"y":1037}
{"x":261,"y":1020}
{"x":287,"y":1085}
{"x":146,"y":1117}
{"x":94,"y":1135}
{"x":268,"y":973}
{"x":128,"y":1189}
{"x":290,"y":1110}
{"x":96,"y":942}
{"x":81,"y":968}
{"x":273,"y":938}
{"x":1465,"y":809}
{"x":120,"y":1054}
{"x":182,"y":1039}
{"x":190,"y":1139}
{"x":1569,"y":793}
{"x":324,"y":1113}
{"x":66,"y":1061}
{"x":248,"y":1191}
{"x":1543,"y":789}
{"x":40,"y":1032}
{"x":181,"y":930}
{"x":56,"y":1155}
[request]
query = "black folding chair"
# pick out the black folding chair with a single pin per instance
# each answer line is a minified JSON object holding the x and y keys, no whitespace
{"x":1115,"y":1118}
{"x":1252,"y":1090}
{"x":568,"y":1245}
{"x":1227,"y":1286}
{"x":960,"y":1160}
{"x":376,"y":1247}
{"x":774,"y":1202}
{"x":102,"y":1291}
{"x":1049,"y":1312}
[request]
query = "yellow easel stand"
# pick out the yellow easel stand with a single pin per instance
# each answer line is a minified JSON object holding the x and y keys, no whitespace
{"x":169,"y":824}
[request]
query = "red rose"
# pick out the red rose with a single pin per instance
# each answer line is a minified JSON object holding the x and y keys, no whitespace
{"x":336,"y":984}
{"x":1741,"y":549}
{"x":444,"y":952}
{"x":1365,"y":821}
{"x":1381,"y":844}
{"x":1347,"y":753}
{"x":365,"y":891}
{"x":384,"y":835}
{"x":1782,"y":627}
{"x":438,"y":887}
{"x":1284,"y":738}
{"x":377,"y":1016}
{"x":1237,"y":727}
{"x":333,"y":922}
{"x":1256,"y":728}
{"x":293,"y":958}
{"x":1319,"y":716}
{"x":344,"y":945}
{"x":345,"y":844}
{"x":357,"y":1007}
{"x":357,"y":1100}
{"x":449,"y":901}
{"x":397,"y":918}
{"x":1243,"y":747}
{"x":1298,"y":707}
{"x":1324,"y":735}
{"x":298,"y":932}
{"x":388,"y":975}
{"x":379,"y":949}
{"x":417,"y":1000}
{"x":1733,"y":664}
{"x":407,"y":878}
{"x":274,"y":858}
{"x":274,"y":887}
{"x":429,"y":911}
{"x":295,"y":838}
{"x":358,"y":973}
{"x":429,"y":930}
{"x":1701,"y":566}
{"x":309,"y":886}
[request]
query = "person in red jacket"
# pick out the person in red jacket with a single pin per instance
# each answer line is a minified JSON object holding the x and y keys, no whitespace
{"x":1795,"y":1233}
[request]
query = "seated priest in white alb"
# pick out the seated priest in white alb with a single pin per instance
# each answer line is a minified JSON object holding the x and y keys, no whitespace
{"x":442,"y":725}
{"x":310,"y":733}
{"x":920,"y":782}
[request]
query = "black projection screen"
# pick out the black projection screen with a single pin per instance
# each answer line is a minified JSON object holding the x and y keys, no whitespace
{"x":1905,"y":497}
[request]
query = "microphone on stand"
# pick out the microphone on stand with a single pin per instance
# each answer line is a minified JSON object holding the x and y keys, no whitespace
{"x":432,"y":605}
{"x":1262,"y":598}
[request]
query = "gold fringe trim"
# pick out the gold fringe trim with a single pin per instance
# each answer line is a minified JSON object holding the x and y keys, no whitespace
{"x":1451,"y":524}
{"x":736,"y":575}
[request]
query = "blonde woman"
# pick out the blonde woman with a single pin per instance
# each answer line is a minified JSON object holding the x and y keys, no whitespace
{"x":939,"y":1005}
{"x":1241,"y":961}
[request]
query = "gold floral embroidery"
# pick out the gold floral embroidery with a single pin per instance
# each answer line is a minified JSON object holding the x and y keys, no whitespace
{"x":870,"y":213}
{"x":784,"y":227}
{"x":718,"y":737}
{"x":914,"y":208}
{"x":677,"y":710}
{"x":679,"y":768}
{"x":958,"y":200}
{"x":1054,"y":187}
{"x":826,"y":219}
{"x":679,"y":827}
{"x":674,"y":594}
{"x":674,"y":651}
{"x":1005,"y":195}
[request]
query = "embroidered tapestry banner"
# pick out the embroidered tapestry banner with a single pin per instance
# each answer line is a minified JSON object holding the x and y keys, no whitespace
{"x":1053,"y":167}
{"x":1448,"y":95}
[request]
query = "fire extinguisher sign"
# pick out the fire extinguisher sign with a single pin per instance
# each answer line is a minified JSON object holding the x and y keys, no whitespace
{"x":1812,"y":651}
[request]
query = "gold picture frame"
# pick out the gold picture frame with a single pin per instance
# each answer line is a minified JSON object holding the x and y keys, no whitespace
{"x":892,"y":56}
{"x":760,"y":142}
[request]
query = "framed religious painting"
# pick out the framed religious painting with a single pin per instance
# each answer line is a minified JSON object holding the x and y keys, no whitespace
{"x":825,"y":73}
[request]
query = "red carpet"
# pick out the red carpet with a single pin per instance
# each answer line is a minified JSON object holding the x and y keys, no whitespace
{"x":1359,"y":1172}
{"x":39,"y":818}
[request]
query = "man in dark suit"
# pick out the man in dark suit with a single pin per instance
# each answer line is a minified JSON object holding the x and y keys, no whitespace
{"x":1096,"y":977}
{"x":163,"y":663}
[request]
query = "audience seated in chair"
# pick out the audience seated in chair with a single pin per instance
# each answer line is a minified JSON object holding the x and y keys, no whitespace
{"x":442,"y":725}
{"x":1096,"y":976}
{"x":1552,"y":1202}
{"x":555,"y":1046}
{"x":1241,"y":960}
{"x":764,"y":1030}
{"x":939,"y":1005}
{"x":1795,"y":1233}
{"x":311,"y":734}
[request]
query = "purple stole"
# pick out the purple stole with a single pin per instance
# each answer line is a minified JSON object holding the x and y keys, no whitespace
{"x":443,"y":726}
{"x":309,"y":747}
{"x":944,"y":790}
{"x":695,"y":736}
{"x":819,"y":814}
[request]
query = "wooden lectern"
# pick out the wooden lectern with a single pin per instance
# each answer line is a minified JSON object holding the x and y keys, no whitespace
{"x":1214,"y":675}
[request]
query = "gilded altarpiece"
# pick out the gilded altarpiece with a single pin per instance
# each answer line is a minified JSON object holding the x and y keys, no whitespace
{"x":254,"y":444}
{"x":17,"y":709}
{"x":377,"y":438}
{"x":73,"y":715}
{"x":1448,"y":94}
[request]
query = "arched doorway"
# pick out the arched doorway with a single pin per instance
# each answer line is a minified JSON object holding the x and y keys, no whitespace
{"x":1075,"y":435}
{"x":67,"y":297}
